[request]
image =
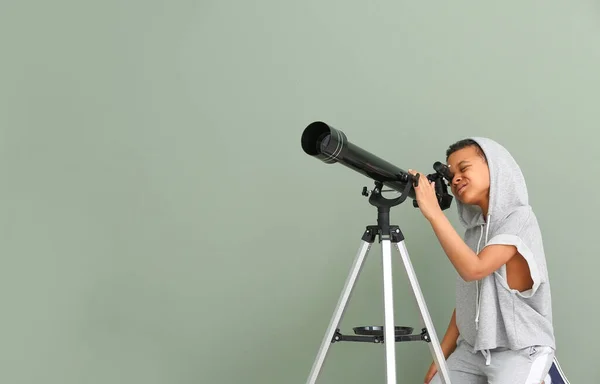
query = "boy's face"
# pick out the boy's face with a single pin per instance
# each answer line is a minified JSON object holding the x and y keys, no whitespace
{"x":471,"y":176}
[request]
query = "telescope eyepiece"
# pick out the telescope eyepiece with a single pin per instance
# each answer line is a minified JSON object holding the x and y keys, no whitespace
{"x":443,"y":170}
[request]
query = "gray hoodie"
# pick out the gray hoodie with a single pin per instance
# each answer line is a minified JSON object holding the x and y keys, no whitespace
{"x":489,"y":314}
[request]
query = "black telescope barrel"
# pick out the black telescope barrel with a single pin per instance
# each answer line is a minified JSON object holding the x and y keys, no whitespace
{"x":331,"y":145}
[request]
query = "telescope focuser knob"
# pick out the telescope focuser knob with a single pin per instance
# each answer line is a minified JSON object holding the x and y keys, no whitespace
{"x":365,"y":191}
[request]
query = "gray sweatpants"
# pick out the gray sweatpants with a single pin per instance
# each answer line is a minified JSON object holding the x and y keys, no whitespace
{"x":525,"y":366}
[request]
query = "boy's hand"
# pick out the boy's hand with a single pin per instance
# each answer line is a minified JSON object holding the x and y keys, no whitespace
{"x":430,"y":373}
{"x":425,"y":194}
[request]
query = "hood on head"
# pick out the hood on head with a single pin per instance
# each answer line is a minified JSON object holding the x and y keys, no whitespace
{"x":508,"y":190}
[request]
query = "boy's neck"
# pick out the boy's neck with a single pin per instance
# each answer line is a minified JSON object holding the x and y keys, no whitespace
{"x":484,"y":208}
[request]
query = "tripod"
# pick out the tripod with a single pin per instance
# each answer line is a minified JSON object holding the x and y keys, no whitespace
{"x":390,"y":237}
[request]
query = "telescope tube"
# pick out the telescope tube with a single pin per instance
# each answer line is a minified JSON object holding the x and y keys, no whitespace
{"x":331,"y":146}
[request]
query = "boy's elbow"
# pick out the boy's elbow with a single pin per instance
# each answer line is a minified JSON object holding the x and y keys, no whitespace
{"x":473,"y":274}
{"x":468,"y":277}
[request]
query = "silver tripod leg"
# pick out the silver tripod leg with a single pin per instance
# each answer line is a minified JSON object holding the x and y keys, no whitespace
{"x":389,"y":329}
{"x":434,"y":344}
{"x":338,"y":313}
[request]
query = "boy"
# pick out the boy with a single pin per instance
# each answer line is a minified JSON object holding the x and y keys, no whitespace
{"x":501,"y":329}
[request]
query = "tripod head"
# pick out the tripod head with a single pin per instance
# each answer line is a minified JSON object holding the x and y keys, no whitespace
{"x":383,"y":228}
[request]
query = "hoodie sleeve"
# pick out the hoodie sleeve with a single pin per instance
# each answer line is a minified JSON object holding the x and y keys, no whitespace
{"x":520,"y":229}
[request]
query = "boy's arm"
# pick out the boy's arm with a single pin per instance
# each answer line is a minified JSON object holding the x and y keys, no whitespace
{"x":448,"y":343}
{"x":469,"y":265}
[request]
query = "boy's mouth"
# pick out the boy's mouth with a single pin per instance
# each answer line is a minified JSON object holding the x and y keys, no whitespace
{"x":461,"y":189}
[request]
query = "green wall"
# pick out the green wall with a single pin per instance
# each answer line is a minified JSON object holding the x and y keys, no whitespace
{"x":161,"y":224}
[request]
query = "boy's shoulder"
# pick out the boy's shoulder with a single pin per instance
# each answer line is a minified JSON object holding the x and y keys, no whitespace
{"x":516,"y":221}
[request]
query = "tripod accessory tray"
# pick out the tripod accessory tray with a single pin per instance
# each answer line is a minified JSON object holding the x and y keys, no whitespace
{"x":374,"y":334}
{"x":378,"y":330}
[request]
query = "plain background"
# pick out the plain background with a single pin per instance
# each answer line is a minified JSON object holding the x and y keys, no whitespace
{"x":160,"y":223}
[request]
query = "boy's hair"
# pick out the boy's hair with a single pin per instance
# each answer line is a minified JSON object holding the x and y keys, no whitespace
{"x":464,"y":143}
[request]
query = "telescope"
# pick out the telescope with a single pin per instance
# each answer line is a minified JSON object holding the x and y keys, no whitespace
{"x":331,"y":146}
